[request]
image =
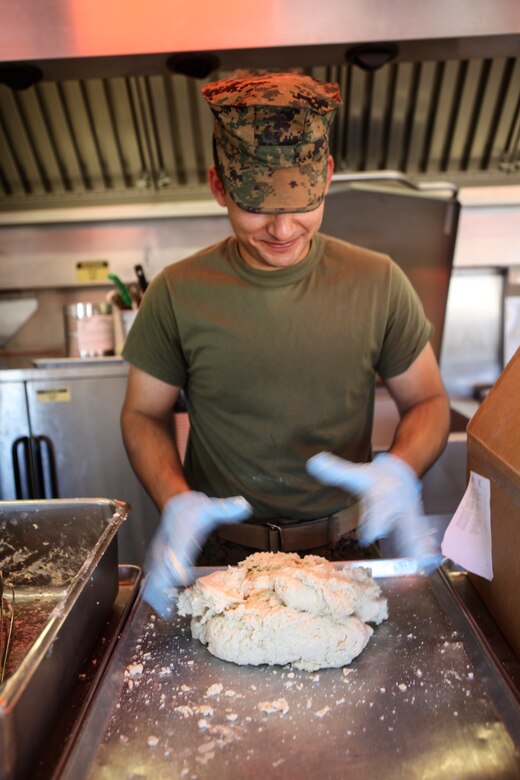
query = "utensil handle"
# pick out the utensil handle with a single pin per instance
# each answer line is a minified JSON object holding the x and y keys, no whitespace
{"x":123,"y":290}
{"x":141,"y":278}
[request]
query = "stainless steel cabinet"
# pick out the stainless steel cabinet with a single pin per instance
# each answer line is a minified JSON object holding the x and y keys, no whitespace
{"x":61,"y":439}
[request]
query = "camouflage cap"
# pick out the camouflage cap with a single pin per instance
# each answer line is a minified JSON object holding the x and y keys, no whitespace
{"x":272,"y":139}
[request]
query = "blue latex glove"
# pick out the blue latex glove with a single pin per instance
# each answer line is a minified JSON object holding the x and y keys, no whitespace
{"x":186,"y":521}
{"x":391,"y":505}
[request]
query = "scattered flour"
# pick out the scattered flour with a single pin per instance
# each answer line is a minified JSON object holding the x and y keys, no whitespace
{"x":215,"y":690}
{"x":322,"y":712}
{"x":270,"y":707}
{"x":133,"y":670}
{"x":278,"y":608}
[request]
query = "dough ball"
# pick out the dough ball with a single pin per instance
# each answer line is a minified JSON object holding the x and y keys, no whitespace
{"x":278,"y":608}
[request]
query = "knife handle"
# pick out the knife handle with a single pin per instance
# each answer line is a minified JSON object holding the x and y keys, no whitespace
{"x":141,"y":278}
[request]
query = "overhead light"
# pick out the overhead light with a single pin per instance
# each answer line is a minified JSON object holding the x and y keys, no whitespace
{"x":20,"y":77}
{"x":197,"y":64}
{"x":371,"y":56}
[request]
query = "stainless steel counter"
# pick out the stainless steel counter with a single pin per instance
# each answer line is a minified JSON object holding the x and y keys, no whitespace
{"x":425,"y":699}
{"x":24,"y":369}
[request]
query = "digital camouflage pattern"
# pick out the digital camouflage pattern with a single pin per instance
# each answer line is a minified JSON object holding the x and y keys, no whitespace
{"x":272,"y":139}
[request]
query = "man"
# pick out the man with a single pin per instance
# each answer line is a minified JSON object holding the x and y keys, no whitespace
{"x":276,"y":336}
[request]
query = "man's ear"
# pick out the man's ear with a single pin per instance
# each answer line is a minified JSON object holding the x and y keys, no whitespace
{"x":216,"y":186}
{"x":330,"y":171}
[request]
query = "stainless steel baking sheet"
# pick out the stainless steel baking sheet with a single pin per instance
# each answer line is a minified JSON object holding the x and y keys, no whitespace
{"x":423,"y":700}
{"x":61,"y":557}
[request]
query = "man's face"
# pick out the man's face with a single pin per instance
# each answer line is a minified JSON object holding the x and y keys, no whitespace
{"x":270,"y":241}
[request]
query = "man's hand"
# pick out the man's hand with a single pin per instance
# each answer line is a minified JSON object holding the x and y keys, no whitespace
{"x":186,"y":521}
{"x":391,"y":504}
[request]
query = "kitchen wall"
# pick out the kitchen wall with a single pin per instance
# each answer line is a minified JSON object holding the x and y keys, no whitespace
{"x":50,"y":262}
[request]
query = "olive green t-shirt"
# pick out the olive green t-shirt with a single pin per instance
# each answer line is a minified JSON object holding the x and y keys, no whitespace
{"x":277,"y":365}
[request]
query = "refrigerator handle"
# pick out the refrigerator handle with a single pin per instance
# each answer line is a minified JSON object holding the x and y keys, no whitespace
{"x":45,"y":467}
{"x":38,"y":468}
{"x":23,"y":468}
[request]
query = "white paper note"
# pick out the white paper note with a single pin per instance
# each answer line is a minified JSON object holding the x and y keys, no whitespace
{"x":467,"y":540}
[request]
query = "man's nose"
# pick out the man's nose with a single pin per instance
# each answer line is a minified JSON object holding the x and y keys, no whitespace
{"x":281,"y":227}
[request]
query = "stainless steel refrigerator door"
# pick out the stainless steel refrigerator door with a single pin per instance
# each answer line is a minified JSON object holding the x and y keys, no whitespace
{"x":15,"y":434}
{"x":80,"y":418}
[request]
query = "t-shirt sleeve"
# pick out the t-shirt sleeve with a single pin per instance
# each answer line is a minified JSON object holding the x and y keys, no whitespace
{"x":407,"y":330}
{"x":153,"y":343}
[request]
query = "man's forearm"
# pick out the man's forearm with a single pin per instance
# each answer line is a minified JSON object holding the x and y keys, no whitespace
{"x":152,"y":451}
{"x":422,"y":433}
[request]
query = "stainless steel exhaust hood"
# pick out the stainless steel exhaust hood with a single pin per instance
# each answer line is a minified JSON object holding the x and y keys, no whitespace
{"x":46,"y":30}
{"x":106,"y":103}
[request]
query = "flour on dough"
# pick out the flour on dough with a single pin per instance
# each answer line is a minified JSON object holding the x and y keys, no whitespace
{"x":278,"y":608}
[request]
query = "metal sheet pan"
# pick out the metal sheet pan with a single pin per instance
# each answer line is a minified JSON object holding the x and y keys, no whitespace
{"x":75,"y":707}
{"x":61,"y":557}
{"x":421,"y":701}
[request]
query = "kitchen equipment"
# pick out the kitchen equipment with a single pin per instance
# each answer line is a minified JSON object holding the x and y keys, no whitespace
{"x":14,"y":313}
{"x":125,"y":300}
{"x":445,"y":103}
{"x":123,"y":291}
{"x":89,"y":329}
{"x":141,"y":278}
{"x":62,"y":439}
{"x":426,"y":698}
{"x":127,"y":320}
{"x":6,"y":625}
{"x":61,"y":557}
{"x":75,"y":707}
{"x":65,"y":362}
{"x":353,"y":211}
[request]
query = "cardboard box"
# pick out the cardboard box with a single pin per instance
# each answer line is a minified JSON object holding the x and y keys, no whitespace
{"x":494,"y":452}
